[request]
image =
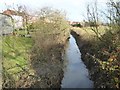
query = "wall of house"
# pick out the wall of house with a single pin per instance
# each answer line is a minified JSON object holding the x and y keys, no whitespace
{"x":18,"y":21}
{"x":6,"y":25}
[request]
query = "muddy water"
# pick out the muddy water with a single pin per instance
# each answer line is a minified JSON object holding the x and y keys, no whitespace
{"x":75,"y":72}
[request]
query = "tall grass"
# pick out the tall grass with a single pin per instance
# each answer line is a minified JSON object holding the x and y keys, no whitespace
{"x":50,"y":37}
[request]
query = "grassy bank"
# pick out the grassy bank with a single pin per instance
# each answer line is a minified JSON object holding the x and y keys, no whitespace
{"x":46,"y":58}
{"x":47,"y":53}
{"x":16,"y":53}
{"x":33,"y":62}
{"x":51,"y":31}
{"x":101,"y":57}
{"x":36,"y":61}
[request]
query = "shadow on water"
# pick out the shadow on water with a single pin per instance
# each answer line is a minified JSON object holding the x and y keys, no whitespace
{"x":75,"y":72}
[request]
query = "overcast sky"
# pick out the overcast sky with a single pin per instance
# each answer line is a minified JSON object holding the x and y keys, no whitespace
{"x":75,"y":9}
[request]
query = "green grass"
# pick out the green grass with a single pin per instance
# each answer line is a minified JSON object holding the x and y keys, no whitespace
{"x":15,"y":51}
{"x":22,"y":32}
{"x":87,"y":33}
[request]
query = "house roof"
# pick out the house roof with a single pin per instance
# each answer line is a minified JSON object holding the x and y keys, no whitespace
{"x":9,"y":12}
{"x":12,"y":12}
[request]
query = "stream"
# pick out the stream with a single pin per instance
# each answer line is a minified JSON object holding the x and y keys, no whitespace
{"x":75,"y":72}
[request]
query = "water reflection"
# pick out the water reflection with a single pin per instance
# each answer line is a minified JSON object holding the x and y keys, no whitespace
{"x":75,"y":72}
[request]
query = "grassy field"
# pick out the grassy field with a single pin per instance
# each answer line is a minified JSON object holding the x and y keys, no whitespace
{"x":15,"y":55}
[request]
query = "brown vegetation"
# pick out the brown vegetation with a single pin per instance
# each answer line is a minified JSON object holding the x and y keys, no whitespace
{"x":50,"y":36}
{"x":101,"y":53}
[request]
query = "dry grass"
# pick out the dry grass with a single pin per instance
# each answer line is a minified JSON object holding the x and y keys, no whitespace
{"x":47,"y":51}
{"x":101,"y":56}
{"x":87,"y":33}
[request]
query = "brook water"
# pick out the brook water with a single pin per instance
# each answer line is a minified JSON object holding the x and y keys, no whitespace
{"x":75,"y":72}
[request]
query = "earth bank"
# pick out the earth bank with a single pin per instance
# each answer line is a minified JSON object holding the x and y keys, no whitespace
{"x":99,"y":72}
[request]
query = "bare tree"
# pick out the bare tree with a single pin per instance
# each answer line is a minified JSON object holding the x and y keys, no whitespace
{"x":92,"y":15}
{"x":114,"y":14}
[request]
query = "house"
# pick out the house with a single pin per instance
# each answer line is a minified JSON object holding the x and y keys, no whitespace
{"x":17,"y":17}
{"x":75,"y":24}
{"x":6,"y":26}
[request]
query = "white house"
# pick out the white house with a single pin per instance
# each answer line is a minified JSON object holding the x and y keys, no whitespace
{"x":18,"y":19}
{"x":6,"y":26}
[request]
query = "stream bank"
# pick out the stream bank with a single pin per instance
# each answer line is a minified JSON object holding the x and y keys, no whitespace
{"x":102,"y":77}
{"x":89,"y":62}
{"x":48,"y":63}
